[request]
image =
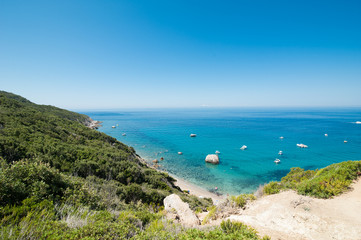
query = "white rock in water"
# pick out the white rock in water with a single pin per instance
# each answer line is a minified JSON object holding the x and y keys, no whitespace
{"x":186,"y":216}
{"x":212,"y":158}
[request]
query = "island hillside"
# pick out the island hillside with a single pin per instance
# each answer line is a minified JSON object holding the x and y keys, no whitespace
{"x":60,"y":179}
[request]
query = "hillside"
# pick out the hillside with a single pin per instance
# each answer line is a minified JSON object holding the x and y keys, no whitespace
{"x":59,"y":179}
{"x":60,"y":138}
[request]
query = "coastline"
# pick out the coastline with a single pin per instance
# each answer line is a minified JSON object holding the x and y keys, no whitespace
{"x":196,"y":190}
{"x":93,"y":124}
{"x":184,"y":185}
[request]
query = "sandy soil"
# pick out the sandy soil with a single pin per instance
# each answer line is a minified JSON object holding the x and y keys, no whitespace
{"x":288,"y":215}
{"x":197,"y":191}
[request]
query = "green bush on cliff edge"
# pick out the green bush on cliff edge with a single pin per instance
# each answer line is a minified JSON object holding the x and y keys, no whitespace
{"x":323,"y":183}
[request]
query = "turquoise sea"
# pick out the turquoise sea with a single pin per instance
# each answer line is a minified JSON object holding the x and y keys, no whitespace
{"x":163,"y":133}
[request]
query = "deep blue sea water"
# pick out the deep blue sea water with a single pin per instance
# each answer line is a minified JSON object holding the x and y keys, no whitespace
{"x":165,"y":132}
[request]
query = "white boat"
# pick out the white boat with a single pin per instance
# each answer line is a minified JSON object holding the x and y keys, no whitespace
{"x":326,"y":135}
{"x":358,"y":122}
{"x":124,"y":134}
{"x":193,"y":135}
{"x":281,"y":137}
{"x":113,"y":126}
{"x":180,"y":153}
{"x":345,"y":141}
{"x":280,"y":153}
{"x":277,"y":161}
{"x":218,"y":152}
{"x":244,"y":147}
{"x":301,"y":145}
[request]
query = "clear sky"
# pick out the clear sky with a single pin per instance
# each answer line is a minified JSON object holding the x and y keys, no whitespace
{"x":122,"y":54}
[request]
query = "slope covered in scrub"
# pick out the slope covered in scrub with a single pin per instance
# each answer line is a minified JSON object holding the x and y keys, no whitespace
{"x":60,"y":179}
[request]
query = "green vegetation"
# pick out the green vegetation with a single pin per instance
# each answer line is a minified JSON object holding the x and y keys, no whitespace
{"x":61,"y":180}
{"x":211,"y":214}
{"x":324,"y":183}
{"x":242,"y":199}
{"x":60,"y":139}
{"x":231,"y":228}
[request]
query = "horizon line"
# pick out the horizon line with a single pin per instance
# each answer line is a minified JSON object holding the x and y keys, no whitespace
{"x":213,"y":107}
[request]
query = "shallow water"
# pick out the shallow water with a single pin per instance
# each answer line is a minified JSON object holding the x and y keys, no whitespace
{"x":164,"y":133}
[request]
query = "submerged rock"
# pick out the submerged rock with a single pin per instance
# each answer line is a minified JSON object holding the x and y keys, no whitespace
{"x":212,"y":158}
{"x":174,"y":204}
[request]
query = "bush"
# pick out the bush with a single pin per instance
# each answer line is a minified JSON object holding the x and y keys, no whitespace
{"x":272,"y":188}
{"x":211,"y":214}
{"x":324,"y":183}
{"x":296,"y":176}
{"x":241,"y":200}
{"x":240,"y":229}
{"x":24,"y":179}
{"x":331,"y":180}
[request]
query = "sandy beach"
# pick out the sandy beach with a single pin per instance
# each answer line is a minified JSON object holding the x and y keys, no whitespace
{"x":197,"y":191}
{"x":185,"y":185}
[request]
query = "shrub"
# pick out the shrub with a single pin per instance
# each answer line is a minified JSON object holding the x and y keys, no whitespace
{"x":331,"y":180}
{"x":211,"y":214}
{"x":240,"y":229}
{"x":296,"y":176}
{"x":242,"y":199}
{"x":272,"y":188}
{"x":24,"y":179}
{"x":324,"y":183}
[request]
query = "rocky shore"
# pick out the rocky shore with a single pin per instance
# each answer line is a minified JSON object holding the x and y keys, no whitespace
{"x":92,"y":124}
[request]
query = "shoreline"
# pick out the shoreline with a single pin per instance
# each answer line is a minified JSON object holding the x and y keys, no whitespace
{"x":197,"y":190}
{"x":93,"y":124}
{"x":185,"y":185}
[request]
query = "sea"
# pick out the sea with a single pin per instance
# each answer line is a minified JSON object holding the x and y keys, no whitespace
{"x":331,"y":134}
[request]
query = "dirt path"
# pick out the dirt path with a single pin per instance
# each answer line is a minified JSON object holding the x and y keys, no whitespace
{"x":288,"y":215}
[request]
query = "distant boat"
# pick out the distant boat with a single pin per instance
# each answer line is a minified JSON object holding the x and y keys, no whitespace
{"x":358,"y":122}
{"x":193,"y":135}
{"x":301,"y":145}
{"x":113,"y":126}
{"x":345,"y":141}
{"x":218,"y":152}
{"x":244,"y":147}
{"x":326,"y":135}
{"x":180,"y":153}
{"x":124,"y":134}
{"x":280,"y":153}
{"x":281,"y":137}
{"x":277,"y":161}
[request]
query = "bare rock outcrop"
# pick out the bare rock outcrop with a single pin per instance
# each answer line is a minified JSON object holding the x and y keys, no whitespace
{"x":212,"y":158}
{"x":174,"y":205}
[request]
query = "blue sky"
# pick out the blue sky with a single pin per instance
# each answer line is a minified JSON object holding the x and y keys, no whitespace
{"x":145,"y":54}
